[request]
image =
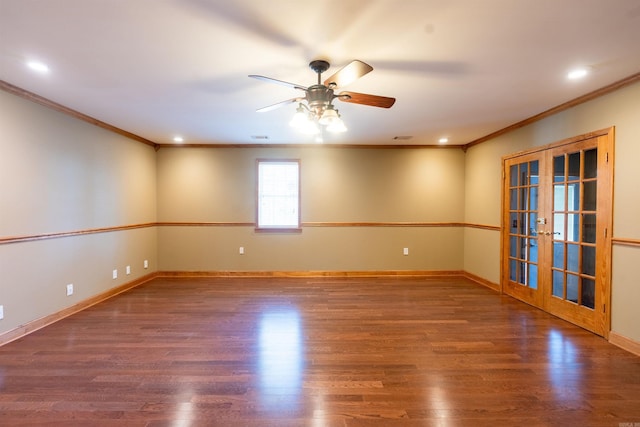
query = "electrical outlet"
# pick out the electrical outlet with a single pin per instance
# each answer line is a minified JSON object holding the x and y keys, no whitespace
{"x":70,"y":289}
{"x":1,"y":312}
{"x":241,"y":251}
{"x":146,"y":264}
{"x":405,"y":251}
{"x":128,"y":270}
{"x":115,"y":274}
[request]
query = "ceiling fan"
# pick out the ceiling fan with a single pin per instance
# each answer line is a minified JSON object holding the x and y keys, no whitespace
{"x":316,"y":106}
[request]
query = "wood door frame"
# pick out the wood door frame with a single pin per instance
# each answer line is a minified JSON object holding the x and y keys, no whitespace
{"x":604,"y":209}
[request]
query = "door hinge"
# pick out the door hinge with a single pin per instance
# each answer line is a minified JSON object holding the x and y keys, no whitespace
{"x":607,"y":157}
{"x":605,"y":232}
{"x":604,"y":308}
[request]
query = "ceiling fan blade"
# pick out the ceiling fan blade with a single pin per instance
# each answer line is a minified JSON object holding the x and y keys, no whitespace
{"x":280,"y":82}
{"x":278,"y":105}
{"x":365,"y":99}
{"x":348,"y":74}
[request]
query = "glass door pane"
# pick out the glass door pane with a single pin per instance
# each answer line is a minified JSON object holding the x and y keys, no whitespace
{"x":523,"y":183}
{"x":574,"y":218}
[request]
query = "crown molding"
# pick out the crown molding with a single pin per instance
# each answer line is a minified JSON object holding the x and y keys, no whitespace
{"x":562,"y":107}
{"x":22,"y":93}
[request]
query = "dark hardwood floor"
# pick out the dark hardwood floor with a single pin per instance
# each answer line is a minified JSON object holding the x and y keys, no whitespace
{"x":312,"y":352}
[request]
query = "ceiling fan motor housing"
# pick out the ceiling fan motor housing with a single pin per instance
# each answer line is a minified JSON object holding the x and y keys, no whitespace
{"x":319,"y":97}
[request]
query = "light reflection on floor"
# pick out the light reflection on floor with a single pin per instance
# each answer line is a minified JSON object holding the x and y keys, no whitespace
{"x":280,"y":362}
{"x":564,"y":369}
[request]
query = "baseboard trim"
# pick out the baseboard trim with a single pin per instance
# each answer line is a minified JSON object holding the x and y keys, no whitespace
{"x":481,"y":281}
{"x":37,"y":324}
{"x":318,"y":273}
{"x":624,"y":343}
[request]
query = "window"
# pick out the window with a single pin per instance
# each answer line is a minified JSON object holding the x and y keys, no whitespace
{"x":278,"y":194}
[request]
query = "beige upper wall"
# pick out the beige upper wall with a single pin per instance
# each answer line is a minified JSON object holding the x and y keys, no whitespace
{"x":337,"y":184}
{"x":60,"y":174}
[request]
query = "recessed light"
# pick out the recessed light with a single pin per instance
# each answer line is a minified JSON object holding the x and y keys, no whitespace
{"x":38,"y":66}
{"x":178,"y":138}
{"x":578,"y":73}
{"x":443,"y":140}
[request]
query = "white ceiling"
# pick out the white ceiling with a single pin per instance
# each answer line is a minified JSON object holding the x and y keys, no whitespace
{"x":458,"y":68}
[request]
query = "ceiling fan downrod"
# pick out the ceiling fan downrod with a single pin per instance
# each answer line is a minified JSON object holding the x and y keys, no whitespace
{"x":319,"y":66}
{"x":319,"y":96}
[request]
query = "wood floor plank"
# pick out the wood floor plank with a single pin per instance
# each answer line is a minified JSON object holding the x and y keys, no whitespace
{"x":347,"y":352}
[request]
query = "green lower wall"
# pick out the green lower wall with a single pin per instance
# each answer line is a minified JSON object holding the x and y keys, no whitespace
{"x":313,"y":249}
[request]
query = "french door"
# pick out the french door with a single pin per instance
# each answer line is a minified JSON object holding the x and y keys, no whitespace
{"x":556,"y":232}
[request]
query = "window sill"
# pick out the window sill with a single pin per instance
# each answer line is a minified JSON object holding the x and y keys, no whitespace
{"x":284,"y":230}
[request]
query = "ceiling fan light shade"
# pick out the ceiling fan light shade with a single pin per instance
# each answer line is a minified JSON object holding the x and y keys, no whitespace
{"x":329,"y":116}
{"x":299,"y":118}
{"x":337,"y":126}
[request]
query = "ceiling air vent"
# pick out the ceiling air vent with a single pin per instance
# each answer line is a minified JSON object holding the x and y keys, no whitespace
{"x":402,"y":137}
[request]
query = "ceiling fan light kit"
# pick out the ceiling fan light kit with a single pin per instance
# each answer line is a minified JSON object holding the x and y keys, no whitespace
{"x":315,"y":110}
{"x":329,"y":116}
{"x":307,"y":120}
